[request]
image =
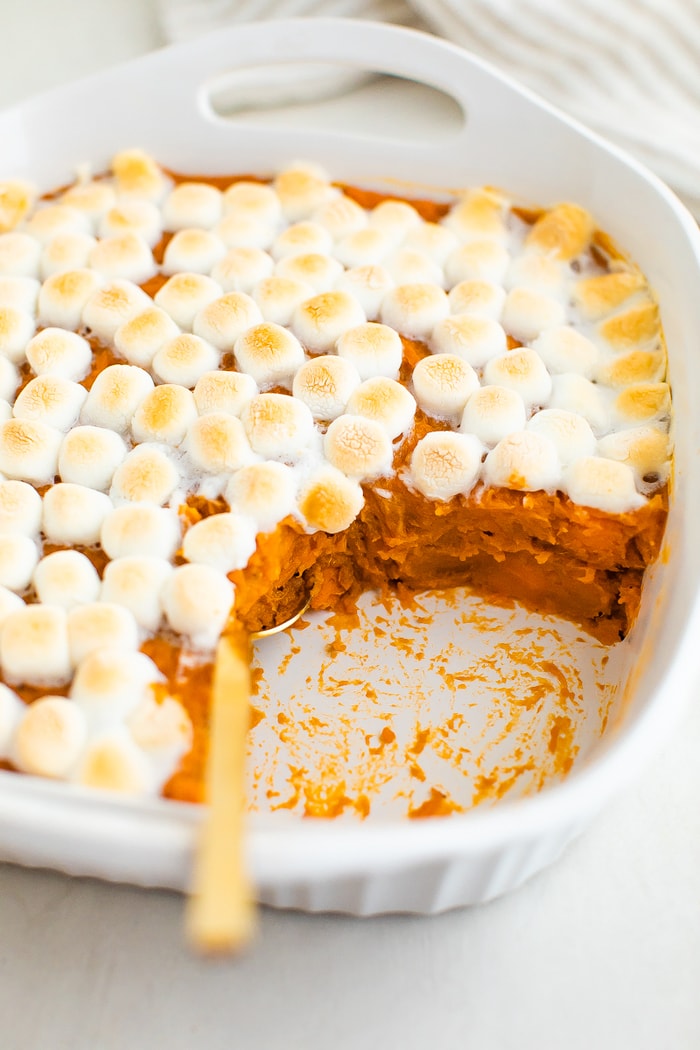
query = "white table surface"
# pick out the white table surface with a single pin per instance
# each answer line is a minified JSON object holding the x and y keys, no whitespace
{"x":600,"y":951}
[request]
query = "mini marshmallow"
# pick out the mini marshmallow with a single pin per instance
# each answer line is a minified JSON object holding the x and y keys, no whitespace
{"x":20,"y":509}
{"x":341,"y":216}
{"x":483,"y":298}
{"x":66,"y":578}
{"x":493,"y":412}
{"x":49,"y":738}
{"x":359,"y":447}
{"x":477,"y":260}
{"x":224,"y":541}
{"x":89,"y":456}
{"x":433,"y":240}
{"x":216,"y":443}
{"x":645,"y":449}
{"x":442,"y":383}
{"x":192,"y":204}
{"x":73,"y":514}
{"x":263,"y":492}
{"x":330,"y":501}
{"x":114,"y":763}
{"x":414,"y":309}
{"x":224,"y":319}
{"x":410,"y":266}
{"x":475,"y":339}
{"x":162,"y":728}
{"x":147,"y":474}
{"x":92,"y":198}
{"x":127,"y":256}
{"x":526,"y":313}
{"x":100,"y":625}
{"x":115,"y":396}
{"x":316,"y":269}
{"x":573,"y":393}
{"x":137,"y":175}
{"x":301,"y":238}
{"x":302,"y":189}
{"x":639,"y":326}
{"x":445,"y":464}
{"x":19,"y":255}
{"x":110,"y":683}
{"x":112,"y":305}
{"x":539,"y":272}
{"x":570,"y":433}
{"x":320,"y":321}
{"x":367,"y":284}
{"x":185,"y":294}
{"x":325,"y":385}
{"x":16,"y":329}
{"x":564,"y":349}
{"x":637,"y":366}
{"x":66,"y":251}
{"x":18,"y":559}
{"x":224,"y":391}
{"x":63,"y":297}
{"x":269,"y":353}
{"x":139,"y":339}
{"x":140,"y":528}
{"x":132,"y":218}
{"x":603,"y":484}
{"x":195,"y":251}
{"x":183,"y":359}
{"x":164,"y":414}
{"x":596,"y":297}
{"x":51,"y":400}
{"x":29,"y":450}
{"x":397,"y":218}
{"x":386,"y":402}
{"x":11,"y":711}
{"x":477,"y":214}
{"x":562,"y":232}
{"x":9,"y":603}
{"x":278,"y":426}
{"x":134,"y":583}
{"x":242,"y":268}
{"x":253,"y":199}
{"x":20,"y":293}
{"x":365,"y":247}
{"x":525,"y":461}
{"x":197,"y":601}
{"x":642,"y":402}
{"x":278,"y":298}
{"x":9,"y":379}
{"x":521,"y":370}
{"x":374,"y":349}
{"x":239,"y":230}
{"x":53,"y":219}
{"x":56,"y":352}
{"x":34,"y":646}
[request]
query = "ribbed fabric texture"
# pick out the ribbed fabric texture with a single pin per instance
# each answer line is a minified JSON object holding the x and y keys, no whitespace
{"x":628,"y":68}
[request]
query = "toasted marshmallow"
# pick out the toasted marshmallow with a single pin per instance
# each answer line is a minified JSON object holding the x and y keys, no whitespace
{"x":64,"y":295}
{"x":269,"y":353}
{"x":242,"y":268}
{"x":131,"y":218}
{"x":224,"y":391}
{"x":66,"y":251}
{"x":49,"y":738}
{"x":73,"y":514}
{"x":477,"y":214}
{"x":147,"y":474}
{"x":216,"y":443}
{"x":573,"y":393}
{"x":9,"y":379}
{"x":604,"y":484}
{"x":51,"y":400}
{"x":162,"y":728}
{"x":563,"y":232}
{"x":21,"y":293}
{"x":195,"y":251}
{"x":89,"y":456}
{"x":493,"y":412}
{"x":320,"y":321}
{"x":19,"y":255}
{"x":386,"y":402}
{"x":263,"y":492}
{"x":645,"y":449}
{"x":20,"y":509}
{"x":302,"y":189}
{"x":164,"y":414}
{"x":374,"y":349}
{"x":409,"y":266}
{"x":185,"y":294}
{"x":637,"y":366}
{"x":639,"y":326}
{"x":126,"y":256}
{"x":18,"y":558}
{"x":134,"y":583}
{"x":543,"y":273}
{"x":58,"y":353}
{"x":359,"y":447}
{"x":445,"y":464}
{"x":278,"y":426}
{"x":477,"y":260}
{"x":570,"y":433}
{"x":34,"y":646}
{"x":365,"y":247}
{"x":318,"y":270}
{"x":433,"y":240}
{"x":278,"y":297}
{"x":11,"y":711}
{"x":100,"y":625}
{"x":92,"y":198}
{"x":414,"y":309}
{"x":301,"y":238}
{"x":140,"y":528}
{"x":521,"y":370}
{"x":224,"y":541}
{"x":330,"y":501}
{"x":224,"y":319}
{"x":16,"y":329}
{"x":239,"y":230}
{"x":112,"y":305}
{"x":29,"y":450}
{"x":139,"y":339}
{"x":192,"y":204}
{"x":253,"y":199}
{"x":564,"y":349}
{"x":137,"y":175}
{"x":642,"y":403}
{"x":325,"y":385}
{"x":53,"y":219}
{"x":368,"y":284}
{"x":5,"y":411}
{"x":442,"y":383}
{"x":115,"y":396}
{"x":111,"y":683}
{"x":526,"y":313}
{"x":9,"y":603}
{"x":197,"y":601}
{"x":475,"y":339}
{"x":114,"y":763}
{"x":183,"y":359}
{"x":397,"y":218}
{"x":596,"y":297}
{"x":66,"y":578}
{"x":341,"y":216}
{"x":524,"y":460}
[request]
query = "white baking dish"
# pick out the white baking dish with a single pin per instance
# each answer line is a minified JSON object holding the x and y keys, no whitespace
{"x":386,"y":862}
